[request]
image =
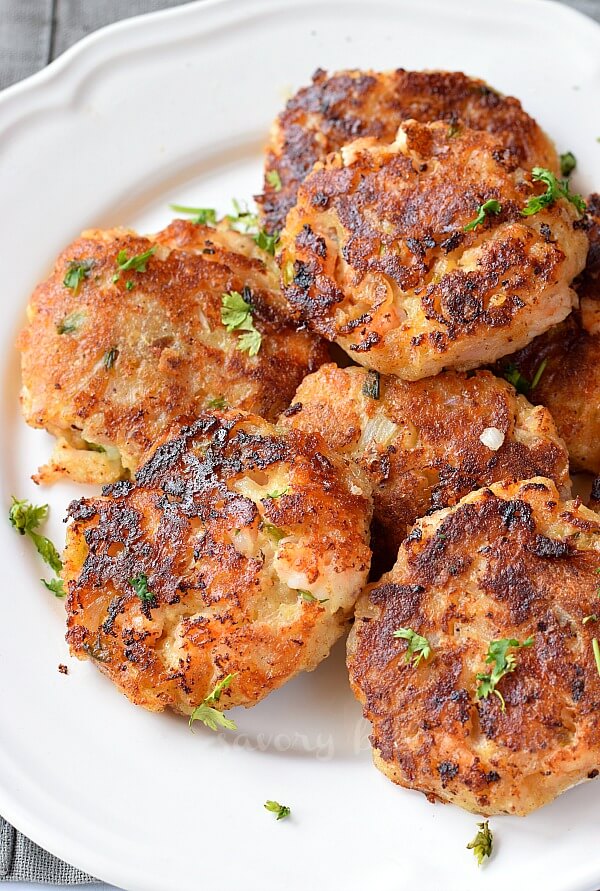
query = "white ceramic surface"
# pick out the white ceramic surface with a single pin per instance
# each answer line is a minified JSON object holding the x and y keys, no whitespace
{"x":174,"y":107}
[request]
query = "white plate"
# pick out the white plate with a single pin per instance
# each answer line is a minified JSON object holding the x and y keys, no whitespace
{"x":175,"y":107}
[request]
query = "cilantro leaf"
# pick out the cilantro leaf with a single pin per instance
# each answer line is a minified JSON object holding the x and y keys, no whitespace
{"x":521,"y":384}
{"x":274,"y":180}
{"x":236,"y":315}
{"x":242,"y":217}
{"x":110,"y":358}
{"x":504,"y":663}
{"x":203,"y":216}
{"x":538,"y":374}
{"x":568,"y":163}
{"x":282,"y":810}
{"x":310,"y":598}
{"x":418,"y":647}
{"x":70,"y":323}
{"x":596,"y":651}
{"x":483,"y":842}
{"x":275,"y":494}
{"x":485,"y":209}
{"x":56,"y":586}
{"x":265,"y":242}
{"x":555,"y":189}
{"x":217,"y":403}
{"x":372,"y":385}
{"x":211,"y":717}
{"x":97,"y":649}
{"x":139,"y":583}
{"x":273,"y":531}
{"x":137,"y":263}
{"x":77,"y":271}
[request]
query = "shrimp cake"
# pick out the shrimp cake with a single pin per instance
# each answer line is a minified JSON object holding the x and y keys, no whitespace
{"x":109,"y":364}
{"x":341,"y":107}
{"x":511,"y":564}
{"x":381,"y":253}
{"x":425,"y":444}
{"x":252,"y":544}
{"x":570,"y":357}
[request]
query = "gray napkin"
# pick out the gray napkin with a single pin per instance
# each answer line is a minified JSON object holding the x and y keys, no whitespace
{"x":32,"y":33}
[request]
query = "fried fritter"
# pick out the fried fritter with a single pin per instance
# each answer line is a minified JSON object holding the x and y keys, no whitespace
{"x":420,"y":442}
{"x":511,"y":564}
{"x":570,"y":383}
{"x":109,"y":363}
{"x":252,"y":545}
{"x":338,"y":108}
{"x":381,"y":253}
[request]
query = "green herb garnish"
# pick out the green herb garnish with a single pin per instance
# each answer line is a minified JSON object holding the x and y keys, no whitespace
{"x":272,"y":531}
{"x":70,"y":323}
{"x":372,"y":385}
{"x":482,"y":844}
{"x":491,"y":206}
{"x":512,"y":374}
{"x":276,"y":494}
{"x":274,"y":180}
{"x":139,"y":583}
{"x":211,"y":717}
{"x":217,"y":402}
{"x":77,"y":271}
{"x":282,"y":810}
{"x":242,"y":217}
{"x":110,"y":358}
{"x":555,"y":189}
{"x":137,"y":263}
{"x":310,"y":598}
{"x":568,"y":163}
{"x":25,"y":518}
{"x":203,"y":216}
{"x":596,"y":649}
{"x":418,"y":647}
{"x":504,"y":663}
{"x":591,"y":618}
{"x":236,"y":315}
{"x":268,"y":243}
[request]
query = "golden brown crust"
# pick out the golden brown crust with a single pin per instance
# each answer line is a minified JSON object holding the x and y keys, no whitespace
{"x":227,"y":520}
{"x":419,"y":441}
{"x":376,"y":257}
{"x":339,"y":108}
{"x":172,"y":355}
{"x":511,"y":561}
{"x":570,"y":384}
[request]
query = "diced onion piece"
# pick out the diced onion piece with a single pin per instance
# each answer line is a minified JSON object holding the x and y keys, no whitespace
{"x":492,"y":437}
{"x":379,"y":431}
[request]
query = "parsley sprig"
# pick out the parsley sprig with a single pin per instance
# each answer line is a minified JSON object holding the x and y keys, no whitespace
{"x":210,"y":716}
{"x":77,"y":271}
{"x":504,"y":663}
{"x":418,"y":646}
{"x":282,"y":810}
{"x":203,"y":216}
{"x":485,"y":209}
{"x":25,"y":518}
{"x":555,"y":189}
{"x":236,"y":315}
{"x":483,"y":842}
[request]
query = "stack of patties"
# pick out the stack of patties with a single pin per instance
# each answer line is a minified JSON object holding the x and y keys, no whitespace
{"x":419,"y":224}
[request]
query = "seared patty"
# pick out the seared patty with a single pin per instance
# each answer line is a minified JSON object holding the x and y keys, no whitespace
{"x":509,"y":563}
{"x":389,"y":253}
{"x":341,"y":107}
{"x":252,"y":545}
{"x":109,"y":364}
{"x":420,"y":442}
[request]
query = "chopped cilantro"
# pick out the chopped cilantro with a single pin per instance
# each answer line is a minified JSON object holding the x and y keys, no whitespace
{"x":372,"y":385}
{"x":519,"y":381}
{"x":282,"y":810}
{"x":139,"y":583}
{"x":211,"y":717}
{"x":568,"y":163}
{"x":242,"y":217}
{"x":217,"y":402}
{"x":491,"y":206}
{"x":504,"y":663}
{"x":538,"y":374}
{"x":276,"y":494}
{"x":137,"y":263}
{"x":77,"y":271}
{"x":56,"y":586}
{"x":591,"y":618}
{"x":272,"y":531}
{"x":236,"y":315}
{"x":70,"y":323}
{"x":274,"y":180}
{"x":596,"y":650}
{"x":310,"y":598}
{"x":203,"y":216}
{"x":418,"y":647}
{"x":555,"y":189}
{"x":25,"y":518}
{"x":110,"y":357}
{"x":268,"y":243}
{"x":482,"y":844}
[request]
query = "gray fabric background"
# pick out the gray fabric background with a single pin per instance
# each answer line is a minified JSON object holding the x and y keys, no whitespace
{"x":32,"y":33}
